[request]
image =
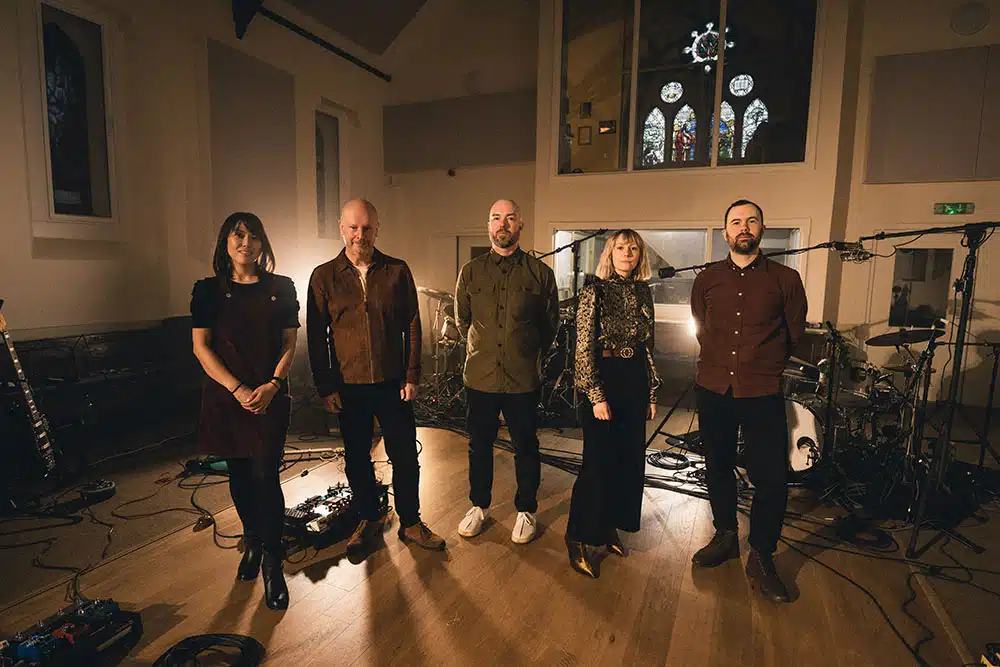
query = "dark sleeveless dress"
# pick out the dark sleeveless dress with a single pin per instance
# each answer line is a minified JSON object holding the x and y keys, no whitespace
{"x":247,"y":323}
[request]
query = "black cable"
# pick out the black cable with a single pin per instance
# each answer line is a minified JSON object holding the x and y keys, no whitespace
{"x":185,"y":652}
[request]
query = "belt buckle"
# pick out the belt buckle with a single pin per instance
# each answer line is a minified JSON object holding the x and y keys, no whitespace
{"x":626,"y":352}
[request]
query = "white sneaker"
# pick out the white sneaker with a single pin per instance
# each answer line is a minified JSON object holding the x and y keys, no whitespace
{"x":473,"y":522}
{"x":525,"y":528}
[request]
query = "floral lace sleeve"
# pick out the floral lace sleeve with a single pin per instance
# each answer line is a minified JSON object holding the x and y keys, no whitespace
{"x":646,"y":306}
{"x":587,"y":377}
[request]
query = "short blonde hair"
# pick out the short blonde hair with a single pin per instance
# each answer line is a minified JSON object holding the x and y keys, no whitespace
{"x":605,"y":267}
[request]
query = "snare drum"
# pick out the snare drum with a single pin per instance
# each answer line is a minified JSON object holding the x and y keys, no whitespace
{"x":799,"y":377}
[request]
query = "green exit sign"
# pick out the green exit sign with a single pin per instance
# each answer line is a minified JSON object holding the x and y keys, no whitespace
{"x":954,"y":208}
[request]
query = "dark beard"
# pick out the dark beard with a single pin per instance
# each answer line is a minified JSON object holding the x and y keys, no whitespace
{"x":745,"y":246}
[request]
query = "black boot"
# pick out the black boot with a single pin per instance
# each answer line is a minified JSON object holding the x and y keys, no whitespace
{"x":725,"y":545}
{"x":250,"y":563}
{"x":275,"y":589}
{"x":579,"y":559}
{"x":764,"y":576}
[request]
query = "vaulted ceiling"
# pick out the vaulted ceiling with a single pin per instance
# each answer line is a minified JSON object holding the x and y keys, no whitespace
{"x":372,"y":24}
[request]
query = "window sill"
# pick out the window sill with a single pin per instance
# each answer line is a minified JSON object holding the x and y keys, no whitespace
{"x":77,"y":229}
{"x":777,"y":167}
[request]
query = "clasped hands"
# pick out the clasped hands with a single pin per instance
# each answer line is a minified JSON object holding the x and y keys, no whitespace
{"x":256,"y":400}
{"x":332,"y":403}
{"x":602,"y":411}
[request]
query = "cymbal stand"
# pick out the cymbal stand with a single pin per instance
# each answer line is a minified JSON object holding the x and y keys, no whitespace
{"x":832,"y":387}
{"x":975,"y":234}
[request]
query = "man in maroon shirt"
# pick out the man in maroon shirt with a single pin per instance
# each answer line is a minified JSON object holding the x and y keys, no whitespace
{"x":750,"y":312}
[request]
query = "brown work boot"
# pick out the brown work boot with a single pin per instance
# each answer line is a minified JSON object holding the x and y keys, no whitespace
{"x":725,"y":545}
{"x":361,"y":539}
{"x":422,"y":536}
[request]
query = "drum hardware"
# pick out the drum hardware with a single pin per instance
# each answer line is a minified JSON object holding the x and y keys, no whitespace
{"x":446,"y":383}
{"x":570,"y":302}
{"x":974,"y":235}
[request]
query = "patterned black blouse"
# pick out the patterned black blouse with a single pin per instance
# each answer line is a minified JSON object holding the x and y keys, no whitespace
{"x":613,"y":313}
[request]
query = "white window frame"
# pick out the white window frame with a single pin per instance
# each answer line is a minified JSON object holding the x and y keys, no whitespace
{"x":45,"y":222}
{"x":348,"y":121}
{"x":679,"y":313}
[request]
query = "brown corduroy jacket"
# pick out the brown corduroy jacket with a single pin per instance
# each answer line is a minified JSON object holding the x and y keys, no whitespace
{"x":362,"y":334}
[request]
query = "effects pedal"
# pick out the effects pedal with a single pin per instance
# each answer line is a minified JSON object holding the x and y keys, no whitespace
{"x":85,"y":634}
{"x":322,"y":520}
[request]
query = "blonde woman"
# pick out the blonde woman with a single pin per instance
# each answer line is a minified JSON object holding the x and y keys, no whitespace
{"x":614,"y":368}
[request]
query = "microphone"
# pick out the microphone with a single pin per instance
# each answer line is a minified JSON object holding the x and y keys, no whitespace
{"x":834,"y":334}
{"x":667,"y":272}
{"x":851,"y":251}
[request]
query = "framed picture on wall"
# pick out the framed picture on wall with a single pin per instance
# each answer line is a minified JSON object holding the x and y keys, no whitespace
{"x":585,"y":135}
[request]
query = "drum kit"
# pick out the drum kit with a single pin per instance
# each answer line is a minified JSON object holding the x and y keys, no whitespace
{"x":850,"y":402}
{"x":444,"y":388}
{"x":443,"y":394}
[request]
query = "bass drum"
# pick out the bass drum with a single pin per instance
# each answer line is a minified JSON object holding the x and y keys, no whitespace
{"x":805,"y":436}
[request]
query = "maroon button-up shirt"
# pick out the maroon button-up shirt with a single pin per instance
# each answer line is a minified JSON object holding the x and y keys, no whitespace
{"x":748,"y":322}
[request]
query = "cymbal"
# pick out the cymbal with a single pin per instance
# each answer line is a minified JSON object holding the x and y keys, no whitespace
{"x":436,"y":294}
{"x":905,"y":369}
{"x":904,"y":337}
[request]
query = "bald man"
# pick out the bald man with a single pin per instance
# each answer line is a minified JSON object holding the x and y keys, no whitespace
{"x":507,"y":305}
{"x":363,"y":327}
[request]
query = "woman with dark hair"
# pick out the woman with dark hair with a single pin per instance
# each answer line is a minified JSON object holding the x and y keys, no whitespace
{"x":244,"y":327}
{"x":614,"y":368}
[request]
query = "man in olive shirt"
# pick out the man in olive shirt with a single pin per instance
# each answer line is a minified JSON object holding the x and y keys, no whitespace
{"x":507,"y":305}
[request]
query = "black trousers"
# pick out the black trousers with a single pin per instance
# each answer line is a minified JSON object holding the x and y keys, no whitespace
{"x":483,"y":422}
{"x":765,"y":439}
{"x":255,"y":486}
{"x":607,"y":495}
{"x":360,"y":404}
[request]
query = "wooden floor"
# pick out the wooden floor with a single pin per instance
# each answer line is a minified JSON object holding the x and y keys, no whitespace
{"x":488,"y":601}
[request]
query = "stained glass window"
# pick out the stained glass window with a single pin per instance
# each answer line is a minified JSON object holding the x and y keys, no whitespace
{"x":672,"y":92}
{"x":761,"y":53}
{"x":753,"y":118}
{"x":726,"y":131}
{"x":684,"y":135}
{"x":654,"y":132}
{"x":741,"y":85}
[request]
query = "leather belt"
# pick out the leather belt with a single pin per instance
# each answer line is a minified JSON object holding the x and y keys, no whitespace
{"x":620,"y":352}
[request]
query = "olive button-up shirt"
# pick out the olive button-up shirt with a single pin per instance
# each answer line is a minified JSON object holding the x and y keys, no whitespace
{"x":508,"y":309}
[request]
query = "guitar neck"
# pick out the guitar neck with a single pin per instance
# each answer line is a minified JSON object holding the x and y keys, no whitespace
{"x":22,"y":379}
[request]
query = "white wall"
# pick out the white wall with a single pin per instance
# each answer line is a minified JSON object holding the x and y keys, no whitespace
{"x":166,"y":228}
{"x":866,"y":288}
{"x":441,"y":55}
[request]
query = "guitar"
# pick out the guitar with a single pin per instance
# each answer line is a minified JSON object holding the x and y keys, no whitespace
{"x":39,"y":423}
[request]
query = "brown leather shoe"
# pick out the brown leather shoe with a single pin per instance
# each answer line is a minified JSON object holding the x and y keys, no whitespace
{"x":361,"y":539}
{"x":422,"y":536}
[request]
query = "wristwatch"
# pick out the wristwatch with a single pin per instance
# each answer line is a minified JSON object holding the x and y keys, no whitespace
{"x":282,"y":383}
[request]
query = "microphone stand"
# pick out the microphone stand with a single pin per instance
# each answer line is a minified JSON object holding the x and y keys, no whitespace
{"x":670,"y":272}
{"x":974,"y":236}
{"x":571,"y":340}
